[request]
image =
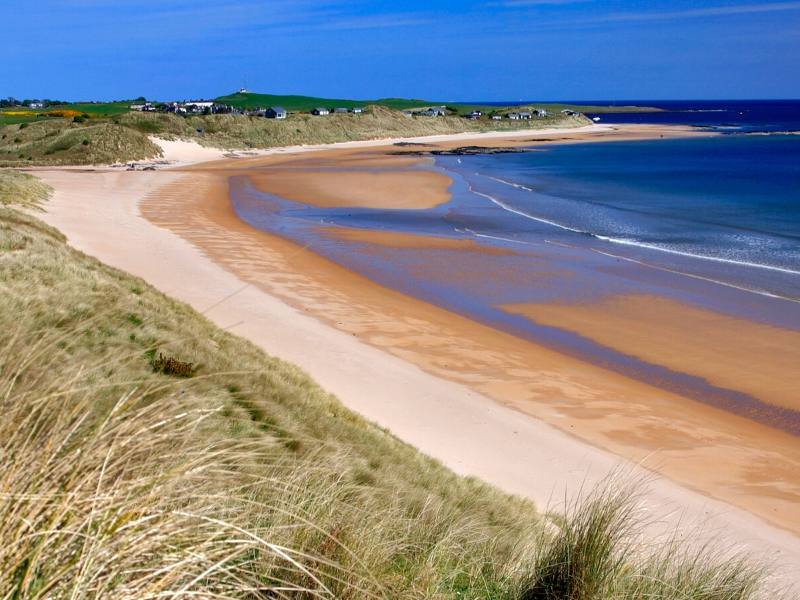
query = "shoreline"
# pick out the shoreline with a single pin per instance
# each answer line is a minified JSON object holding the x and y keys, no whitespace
{"x":552,"y":453}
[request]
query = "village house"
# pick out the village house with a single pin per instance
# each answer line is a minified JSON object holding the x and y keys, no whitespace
{"x":340,"y":111}
{"x":36,"y":105}
{"x":540,"y":112}
{"x":474,"y":115}
{"x":275,"y":112}
{"x":320,"y":112}
{"x":358,"y":110}
{"x":514,"y":116}
{"x":497,"y":117}
{"x":198,"y":106}
{"x":434,"y":111}
{"x":525,"y":115}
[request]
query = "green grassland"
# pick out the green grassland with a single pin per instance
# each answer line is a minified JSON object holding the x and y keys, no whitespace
{"x":19,"y":114}
{"x":148,"y":453}
{"x":307,"y":103}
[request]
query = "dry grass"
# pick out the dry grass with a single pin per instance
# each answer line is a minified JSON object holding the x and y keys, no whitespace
{"x":248,"y":442}
{"x":22,"y":189}
{"x":246,"y":480}
{"x":62,"y":142}
{"x":238,"y":132}
{"x":123,"y":138}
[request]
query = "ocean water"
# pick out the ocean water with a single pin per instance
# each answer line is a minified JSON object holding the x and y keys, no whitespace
{"x":722,"y":115}
{"x":733,"y":116}
{"x":726,"y":208}
{"x":713,"y":221}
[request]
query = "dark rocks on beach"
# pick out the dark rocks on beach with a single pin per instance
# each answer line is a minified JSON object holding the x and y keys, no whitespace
{"x":475,"y":150}
{"x":464,"y":151}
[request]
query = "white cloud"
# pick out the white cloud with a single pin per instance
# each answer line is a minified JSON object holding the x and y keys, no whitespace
{"x":711,"y":11}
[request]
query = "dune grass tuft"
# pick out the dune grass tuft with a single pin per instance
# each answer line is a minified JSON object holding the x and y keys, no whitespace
{"x":599,"y":549}
{"x":21,"y":189}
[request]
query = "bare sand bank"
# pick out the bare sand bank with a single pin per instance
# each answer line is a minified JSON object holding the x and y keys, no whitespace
{"x":756,"y":358}
{"x":434,"y":378}
{"x":365,"y":189}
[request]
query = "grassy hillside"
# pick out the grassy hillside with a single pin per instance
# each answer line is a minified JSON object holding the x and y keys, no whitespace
{"x":148,"y":453}
{"x":65,"y":142}
{"x":124,"y":137}
{"x":307,"y":103}
{"x":236,"y":131}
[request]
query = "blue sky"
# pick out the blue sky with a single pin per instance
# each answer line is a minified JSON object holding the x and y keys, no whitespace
{"x":442,"y":50}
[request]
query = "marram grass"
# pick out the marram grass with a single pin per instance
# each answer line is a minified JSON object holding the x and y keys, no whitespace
{"x":21,"y":189}
{"x":246,"y":480}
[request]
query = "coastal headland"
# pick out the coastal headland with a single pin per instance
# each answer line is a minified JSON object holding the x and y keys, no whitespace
{"x":521,"y":415}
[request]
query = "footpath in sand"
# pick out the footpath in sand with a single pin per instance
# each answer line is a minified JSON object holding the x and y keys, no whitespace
{"x":100,"y":212}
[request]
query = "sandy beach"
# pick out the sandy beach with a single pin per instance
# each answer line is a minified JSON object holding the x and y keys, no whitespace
{"x":486,"y":403}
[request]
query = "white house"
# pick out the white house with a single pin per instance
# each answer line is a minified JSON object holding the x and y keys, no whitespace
{"x":198,"y":106}
{"x":275,"y":112}
{"x":434,"y":111}
{"x":320,"y":112}
{"x":358,"y":110}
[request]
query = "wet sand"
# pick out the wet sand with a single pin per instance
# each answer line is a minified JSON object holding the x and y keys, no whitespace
{"x":357,"y":188}
{"x":758,"y":359}
{"x":722,"y":455}
{"x":392,"y":239}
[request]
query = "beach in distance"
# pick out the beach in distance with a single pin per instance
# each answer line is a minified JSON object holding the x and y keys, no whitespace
{"x":535,"y":308}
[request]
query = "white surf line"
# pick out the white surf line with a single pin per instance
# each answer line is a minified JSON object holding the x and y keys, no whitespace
{"x":495,"y":237}
{"x":623,"y":241}
{"x":511,"y":209}
{"x":742,"y":263}
{"x":562,"y":244}
{"x":708,"y":279}
{"x":519,"y":186}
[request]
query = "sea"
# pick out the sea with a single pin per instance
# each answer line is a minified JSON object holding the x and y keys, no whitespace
{"x":710,"y":221}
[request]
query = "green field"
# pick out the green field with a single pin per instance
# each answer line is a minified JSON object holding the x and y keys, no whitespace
{"x":99,"y":110}
{"x":308,"y":103}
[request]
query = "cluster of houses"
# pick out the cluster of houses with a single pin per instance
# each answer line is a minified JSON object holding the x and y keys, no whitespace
{"x":196,"y":107}
{"x":209,"y":107}
{"x":321,"y":111}
{"x":441,"y":111}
